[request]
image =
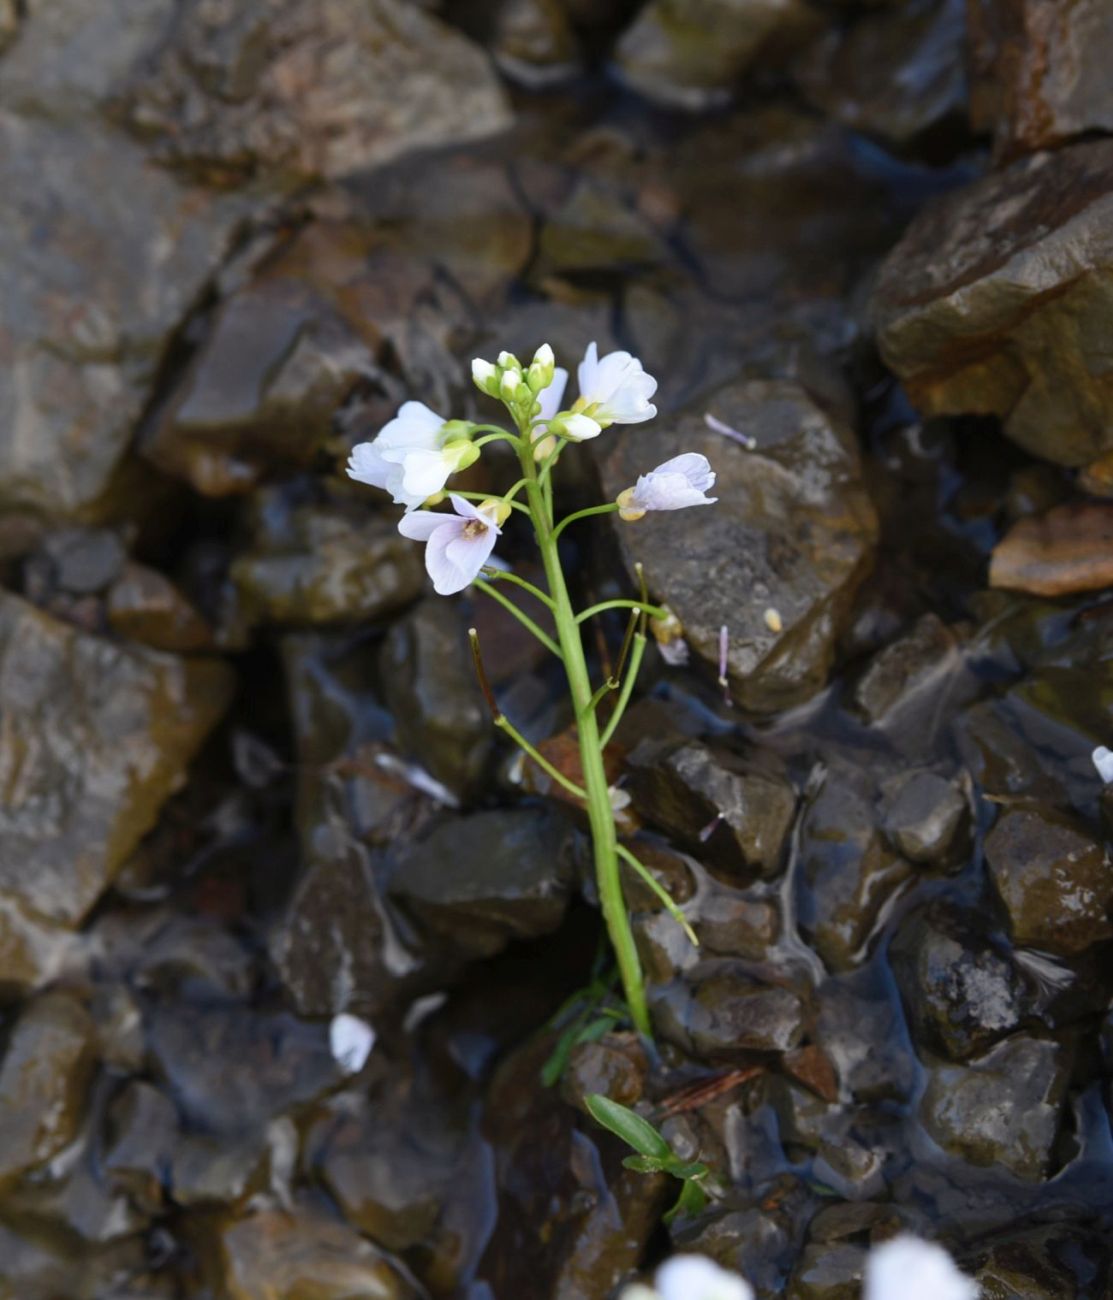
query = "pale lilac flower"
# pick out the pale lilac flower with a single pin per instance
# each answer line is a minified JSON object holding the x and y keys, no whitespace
{"x":550,"y":399}
{"x":1103,"y":761}
{"x":457,"y":546}
{"x":678,"y":483}
{"x":614,"y":389}
{"x":713,"y":422}
{"x":691,"y":1277}
{"x":906,"y":1268}
{"x":408,"y":458}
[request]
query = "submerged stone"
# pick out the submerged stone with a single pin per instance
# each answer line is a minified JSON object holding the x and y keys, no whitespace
{"x":726,"y":1014}
{"x":924,"y":817}
{"x":144,"y":605}
{"x":793,"y":530}
{"x":1055,"y":880}
{"x":1004,"y":1108}
{"x":96,"y":736}
{"x":996,"y":300}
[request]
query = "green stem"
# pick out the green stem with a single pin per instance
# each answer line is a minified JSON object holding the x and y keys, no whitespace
{"x":525,"y":620}
{"x":627,"y":689}
{"x":504,"y":724}
{"x":609,"y":508}
{"x":504,"y":575}
{"x":654,"y":611}
{"x":661,"y":893}
{"x":500,"y":436}
{"x":599,"y":811}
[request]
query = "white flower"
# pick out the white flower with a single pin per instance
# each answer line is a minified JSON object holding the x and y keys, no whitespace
{"x":407,"y":459}
{"x":550,"y":399}
{"x":350,"y":1040}
{"x":457,"y":546}
{"x":691,"y":1277}
{"x":1103,"y":761}
{"x":675,"y":485}
{"x":906,"y":1268}
{"x":615,"y":390}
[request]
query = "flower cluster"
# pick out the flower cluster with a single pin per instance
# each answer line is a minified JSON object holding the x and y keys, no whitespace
{"x":904,"y":1268}
{"x":417,"y":452}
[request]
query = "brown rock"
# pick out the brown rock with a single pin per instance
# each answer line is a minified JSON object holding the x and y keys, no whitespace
{"x":997,"y":302}
{"x":145,"y":606}
{"x":1039,"y":71}
{"x":1069,"y":549}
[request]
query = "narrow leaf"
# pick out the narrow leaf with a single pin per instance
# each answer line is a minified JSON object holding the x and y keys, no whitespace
{"x":631,"y":1128}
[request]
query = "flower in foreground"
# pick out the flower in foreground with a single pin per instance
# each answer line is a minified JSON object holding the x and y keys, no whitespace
{"x":691,"y":1277}
{"x":614,"y":389}
{"x":458,"y":545}
{"x":678,"y":483}
{"x":906,"y":1268}
{"x":413,"y":455}
{"x":1103,"y":761}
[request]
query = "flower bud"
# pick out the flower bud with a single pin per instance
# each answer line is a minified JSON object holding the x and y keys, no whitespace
{"x":460,"y":454}
{"x":485,"y":376}
{"x":454,"y":430}
{"x":574,"y":426}
{"x":508,"y":361}
{"x":497,"y":507}
{"x":509,"y":384}
{"x":626,"y":508}
{"x":544,"y":447}
{"x":542,"y":369}
{"x":434,"y":500}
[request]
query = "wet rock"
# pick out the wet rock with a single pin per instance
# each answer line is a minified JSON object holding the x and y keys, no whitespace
{"x":596,"y":229}
{"x":1055,"y":881}
{"x":615,"y":1066}
{"x":102,"y":256}
{"x":75,"y":808}
{"x":430,"y":687}
{"x":962,"y":991}
{"x":230,"y":1070}
{"x":758,"y":1242}
{"x":1036,"y":72}
{"x":848,"y":873}
{"x":994,"y":300}
{"x":32,"y":951}
{"x":1067,"y":550}
{"x":9,"y":23}
{"x":897,"y":73}
{"x":793,"y":531}
{"x":44,"y":1075}
{"x":389,"y":1165}
{"x":925,"y":817}
{"x":324,"y":565}
{"x":903,"y":684}
{"x":733,"y":923}
{"x":828,"y":1271}
{"x":284,"y":1255}
{"x":478,"y":882}
{"x":1042,"y":1263}
{"x":280,"y":356}
{"x":726,"y":1014}
{"x":84,"y":560}
{"x":295,"y":90}
{"x":694,"y":59}
{"x":534,"y":43}
{"x":144,"y":605}
{"x":220,"y":1171}
{"x":732,"y":812}
{"x":37,"y":1266}
{"x":1004,"y":1108}
{"x":571,"y":1221}
{"x":860,"y":1028}
{"x":144,"y":1130}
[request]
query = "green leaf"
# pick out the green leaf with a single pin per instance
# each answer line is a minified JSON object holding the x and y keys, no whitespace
{"x":631,"y":1128}
{"x":645,"y":1164}
{"x":696,"y":1170}
{"x":689,"y":1203}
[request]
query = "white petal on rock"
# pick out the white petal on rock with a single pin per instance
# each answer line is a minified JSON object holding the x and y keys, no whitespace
{"x":1103,"y":761}
{"x":350,"y":1040}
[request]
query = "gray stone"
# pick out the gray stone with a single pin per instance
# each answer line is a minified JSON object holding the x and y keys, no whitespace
{"x":726,"y":1014}
{"x":95,"y":737}
{"x":478,"y":882}
{"x":101,"y":257}
{"x":1038,"y":71}
{"x":793,"y":531}
{"x":962,"y":991}
{"x":690,"y":789}
{"x":294,"y":89}
{"x":996,"y":302}
{"x":692,"y":56}
{"x":1004,"y":1108}
{"x":923,"y":814}
{"x":44,"y":1075}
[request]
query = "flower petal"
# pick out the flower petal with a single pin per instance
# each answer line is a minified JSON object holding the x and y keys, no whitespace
{"x":366,"y":465}
{"x":551,"y":397}
{"x":915,"y":1270}
{"x":424,"y":473}
{"x":415,"y":425}
{"x":695,"y":1277}
{"x":452,"y":560}
{"x":585,"y":371}
{"x":420,"y":525}
{"x":581,"y":427}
